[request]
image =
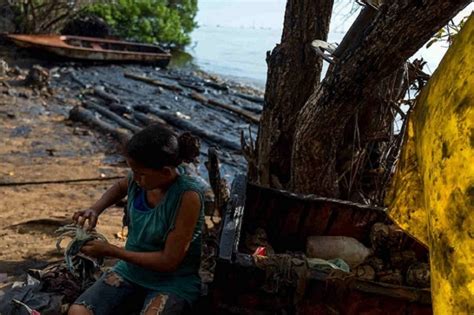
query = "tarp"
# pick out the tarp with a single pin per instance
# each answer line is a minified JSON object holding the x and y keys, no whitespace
{"x":432,"y":193}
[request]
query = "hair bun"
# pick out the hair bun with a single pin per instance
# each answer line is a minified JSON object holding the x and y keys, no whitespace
{"x":188,"y":147}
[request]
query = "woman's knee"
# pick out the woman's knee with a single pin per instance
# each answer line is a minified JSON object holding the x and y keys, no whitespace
{"x":163,"y":304}
{"x":77,"y":309}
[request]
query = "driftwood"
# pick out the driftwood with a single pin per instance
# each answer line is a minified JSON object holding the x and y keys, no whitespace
{"x":241,"y":112}
{"x":194,"y":87}
{"x":188,"y":126}
{"x":147,"y":120}
{"x":218,"y":184}
{"x":153,"y":82}
{"x":112,"y":116}
{"x":60,"y":181}
{"x":87,"y":117}
{"x":74,"y":78}
{"x":198,"y":97}
{"x":188,"y":83}
{"x":119,"y":108}
{"x":106,"y":96}
{"x":217,"y":86}
{"x":255,"y":99}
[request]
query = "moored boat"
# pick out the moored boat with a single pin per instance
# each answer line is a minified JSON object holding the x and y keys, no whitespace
{"x":93,"y":49}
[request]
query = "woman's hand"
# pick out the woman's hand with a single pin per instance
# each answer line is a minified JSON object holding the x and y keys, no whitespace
{"x":98,"y":249}
{"x":90,"y":215}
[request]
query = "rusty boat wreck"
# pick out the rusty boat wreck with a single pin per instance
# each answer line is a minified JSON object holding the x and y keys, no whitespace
{"x":93,"y":49}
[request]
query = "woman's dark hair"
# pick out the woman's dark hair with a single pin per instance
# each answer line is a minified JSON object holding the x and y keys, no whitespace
{"x":156,"y":147}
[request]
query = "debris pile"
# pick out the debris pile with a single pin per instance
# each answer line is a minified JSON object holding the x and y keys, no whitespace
{"x":52,"y":289}
{"x":38,"y":78}
{"x":387,"y":260}
{"x":391,"y":263}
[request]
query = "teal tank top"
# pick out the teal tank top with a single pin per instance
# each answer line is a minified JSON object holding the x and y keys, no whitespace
{"x":147,"y":232}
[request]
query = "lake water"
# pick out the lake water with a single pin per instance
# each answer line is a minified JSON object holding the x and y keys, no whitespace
{"x":233,"y":51}
{"x":235,"y":35}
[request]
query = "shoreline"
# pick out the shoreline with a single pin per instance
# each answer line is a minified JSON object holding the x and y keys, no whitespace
{"x":41,"y":142}
{"x":183,"y":60}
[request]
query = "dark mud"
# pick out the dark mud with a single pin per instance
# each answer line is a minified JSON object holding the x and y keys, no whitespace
{"x":74,"y":82}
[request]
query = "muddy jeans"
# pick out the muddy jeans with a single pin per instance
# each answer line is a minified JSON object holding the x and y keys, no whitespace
{"x":112,"y":294}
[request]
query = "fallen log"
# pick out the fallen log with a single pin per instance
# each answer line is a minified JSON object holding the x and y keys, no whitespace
{"x":255,"y":99}
{"x":119,"y":109}
{"x":245,"y":114}
{"x":241,"y":112}
{"x":106,"y":96}
{"x":254,"y":108}
{"x":112,"y":116}
{"x":74,"y":78}
{"x":169,"y":76}
{"x":88,"y":118}
{"x":113,"y":88}
{"x":198,"y":97}
{"x":217,"y":86}
{"x":153,"y":82}
{"x":194,"y":87}
{"x":188,"y":126}
{"x":147,"y":120}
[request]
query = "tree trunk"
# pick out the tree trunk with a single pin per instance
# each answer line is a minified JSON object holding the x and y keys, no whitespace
{"x":398,"y":30}
{"x":293,"y":73}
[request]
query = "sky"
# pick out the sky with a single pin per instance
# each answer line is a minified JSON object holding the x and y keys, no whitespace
{"x":242,"y":13}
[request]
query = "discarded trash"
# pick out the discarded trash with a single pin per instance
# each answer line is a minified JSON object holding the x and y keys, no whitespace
{"x":28,"y":309}
{"x":30,"y":299}
{"x":324,"y":265}
{"x":37,"y":77}
{"x":260,"y":251}
{"x":330,"y":247}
